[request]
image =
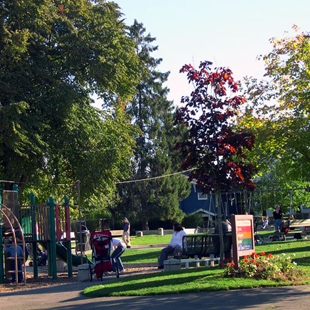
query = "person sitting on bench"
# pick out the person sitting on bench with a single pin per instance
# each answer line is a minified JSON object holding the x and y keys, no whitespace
{"x":174,"y":247}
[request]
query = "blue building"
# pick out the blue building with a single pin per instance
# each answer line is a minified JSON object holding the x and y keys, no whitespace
{"x":231,"y":203}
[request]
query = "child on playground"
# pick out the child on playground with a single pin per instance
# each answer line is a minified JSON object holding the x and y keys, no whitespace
{"x":265,"y":222}
{"x":10,"y":252}
{"x":42,"y":256}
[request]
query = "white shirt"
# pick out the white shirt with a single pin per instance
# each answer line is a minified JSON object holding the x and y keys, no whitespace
{"x":115,"y":242}
{"x":177,"y":238}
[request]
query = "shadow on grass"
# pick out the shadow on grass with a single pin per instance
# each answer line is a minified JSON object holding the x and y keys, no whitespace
{"x":299,"y":247}
{"x":302,"y":261}
{"x":142,"y":256}
{"x":148,"y":281}
{"x":291,"y":250}
{"x":288,"y":245}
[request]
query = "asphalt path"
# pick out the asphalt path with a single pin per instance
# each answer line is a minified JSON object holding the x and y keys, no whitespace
{"x":70,"y":296}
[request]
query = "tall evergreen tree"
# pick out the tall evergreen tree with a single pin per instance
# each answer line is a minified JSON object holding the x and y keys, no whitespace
{"x":154,"y":155}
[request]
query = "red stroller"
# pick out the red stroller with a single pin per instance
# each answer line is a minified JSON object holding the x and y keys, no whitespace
{"x":101,"y":252}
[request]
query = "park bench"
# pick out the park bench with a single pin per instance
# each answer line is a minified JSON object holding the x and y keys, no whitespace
{"x":117,"y":233}
{"x":198,"y":248}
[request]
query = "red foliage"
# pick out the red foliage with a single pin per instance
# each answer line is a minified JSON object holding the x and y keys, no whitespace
{"x":213,"y":148}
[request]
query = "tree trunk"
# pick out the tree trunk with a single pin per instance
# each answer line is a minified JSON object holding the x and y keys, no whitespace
{"x":219,"y":222}
{"x":145,"y":224}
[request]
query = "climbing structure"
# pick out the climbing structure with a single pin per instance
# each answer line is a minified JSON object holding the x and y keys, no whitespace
{"x":11,"y":229}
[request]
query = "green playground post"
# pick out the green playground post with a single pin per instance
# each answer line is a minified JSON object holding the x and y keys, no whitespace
{"x":1,"y":246}
{"x":49,"y":257}
{"x":34,"y":235}
{"x":53,"y":238}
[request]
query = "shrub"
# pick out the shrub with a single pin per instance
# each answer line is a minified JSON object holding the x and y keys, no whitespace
{"x":264,"y":266}
{"x":192,"y":221}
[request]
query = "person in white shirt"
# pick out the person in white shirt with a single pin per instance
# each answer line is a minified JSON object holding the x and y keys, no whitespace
{"x":119,"y":248}
{"x":174,"y":247}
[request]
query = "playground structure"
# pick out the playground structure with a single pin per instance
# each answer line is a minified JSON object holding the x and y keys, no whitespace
{"x":48,"y":225}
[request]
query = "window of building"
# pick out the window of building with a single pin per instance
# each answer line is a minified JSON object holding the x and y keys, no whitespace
{"x":202,"y":196}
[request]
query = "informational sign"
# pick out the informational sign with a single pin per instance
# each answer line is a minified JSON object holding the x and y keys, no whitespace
{"x":242,"y":236}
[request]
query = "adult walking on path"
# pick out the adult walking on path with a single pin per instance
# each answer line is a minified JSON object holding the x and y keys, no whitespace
{"x":126,"y":231}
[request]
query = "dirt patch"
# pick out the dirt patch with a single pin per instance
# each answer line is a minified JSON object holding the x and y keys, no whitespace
{"x":62,"y":278}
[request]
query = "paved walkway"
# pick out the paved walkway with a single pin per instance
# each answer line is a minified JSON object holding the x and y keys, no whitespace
{"x":70,"y":297}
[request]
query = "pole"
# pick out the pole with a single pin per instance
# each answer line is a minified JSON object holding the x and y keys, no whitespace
{"x":1,"y":245}
{"x":219,"y":222}
{"x":53,"y":238}
{"x":68,"y":237}
{"x":34,"y":235}
{"x":80,"y":220}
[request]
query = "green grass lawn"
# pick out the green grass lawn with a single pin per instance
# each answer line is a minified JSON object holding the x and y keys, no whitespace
{"x":197,"y":279}
{"x":140,"y":256}
{"x":175,"y":282}
{"x":151,"y":239}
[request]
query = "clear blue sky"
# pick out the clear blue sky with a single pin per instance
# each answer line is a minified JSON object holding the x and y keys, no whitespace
{"x":228,"y":33}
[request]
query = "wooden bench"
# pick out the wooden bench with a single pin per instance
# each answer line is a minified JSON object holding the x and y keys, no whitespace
{"x":117,"y":233}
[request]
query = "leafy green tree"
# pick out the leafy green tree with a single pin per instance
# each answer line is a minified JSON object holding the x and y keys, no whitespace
{"x":55,"y":55}
{"x":154,"y":155}
{"x":274,"y":189}
{"x":278,"y":109}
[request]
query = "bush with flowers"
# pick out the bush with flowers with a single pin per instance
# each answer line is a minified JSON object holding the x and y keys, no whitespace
{"x":264,"y":266}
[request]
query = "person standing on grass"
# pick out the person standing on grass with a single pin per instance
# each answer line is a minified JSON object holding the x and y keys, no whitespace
{"x":126,"y":231}
{"x":277,"y":216}
{"x":174,"y":247}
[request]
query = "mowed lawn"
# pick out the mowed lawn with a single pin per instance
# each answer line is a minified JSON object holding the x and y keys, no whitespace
{"x":198,"y":279}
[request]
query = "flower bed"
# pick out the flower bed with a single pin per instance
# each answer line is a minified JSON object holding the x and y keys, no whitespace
{"x":264,"y":266}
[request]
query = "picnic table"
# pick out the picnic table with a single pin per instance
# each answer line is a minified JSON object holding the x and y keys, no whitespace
{"x":299,"y":227}
{"x":296,"y":227}
{"x":299,"y":223}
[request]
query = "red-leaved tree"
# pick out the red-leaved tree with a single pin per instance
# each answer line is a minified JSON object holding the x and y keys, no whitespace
{"x":213,"y":149}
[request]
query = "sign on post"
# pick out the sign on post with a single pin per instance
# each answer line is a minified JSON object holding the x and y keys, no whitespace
{"x":242,"y":236}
